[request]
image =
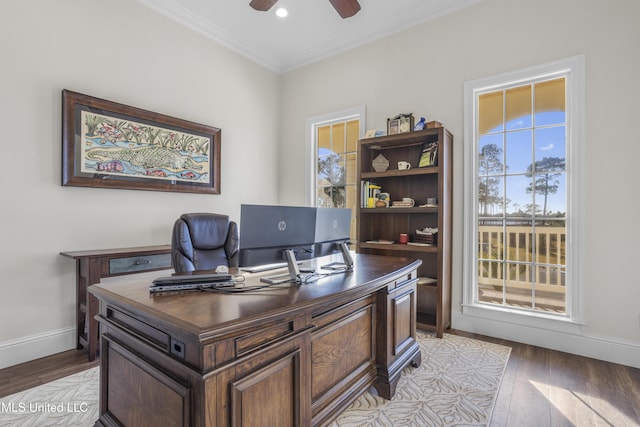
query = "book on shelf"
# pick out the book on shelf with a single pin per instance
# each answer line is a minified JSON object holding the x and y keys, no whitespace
{"x":370,"y":193}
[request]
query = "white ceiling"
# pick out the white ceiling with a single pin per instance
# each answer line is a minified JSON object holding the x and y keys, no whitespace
{"x":312,"y":31}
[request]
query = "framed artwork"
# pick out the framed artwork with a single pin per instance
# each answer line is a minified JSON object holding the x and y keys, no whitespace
{"x":111,"y":145}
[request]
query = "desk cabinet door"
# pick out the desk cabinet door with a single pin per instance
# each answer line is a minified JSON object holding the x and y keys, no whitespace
{"x":264,"y":388}
{"x":401,"y":314}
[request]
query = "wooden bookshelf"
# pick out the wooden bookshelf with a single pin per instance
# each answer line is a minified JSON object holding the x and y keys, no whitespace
{"x":386,"y":223}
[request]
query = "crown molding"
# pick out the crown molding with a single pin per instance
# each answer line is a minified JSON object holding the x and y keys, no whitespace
{"x":184,"y":16}
{"x":395,"y":24}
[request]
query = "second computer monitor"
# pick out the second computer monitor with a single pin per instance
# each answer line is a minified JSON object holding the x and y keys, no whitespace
{"x":333,"y":226}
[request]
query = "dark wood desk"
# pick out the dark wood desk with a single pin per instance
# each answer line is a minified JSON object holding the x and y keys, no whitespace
{"x":91,"y":266}
{"x":293,"y":355}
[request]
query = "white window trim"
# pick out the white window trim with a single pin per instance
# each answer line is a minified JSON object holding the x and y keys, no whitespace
{"x":574,"y":69}
{"x":313,"y":123}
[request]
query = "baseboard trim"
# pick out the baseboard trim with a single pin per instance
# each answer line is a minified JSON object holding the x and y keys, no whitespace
{"x":24,"y":349}
{"x":596,"y":347}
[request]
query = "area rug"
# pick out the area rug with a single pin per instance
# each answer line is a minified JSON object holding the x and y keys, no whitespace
{"x":69,"y":401}
{"x":456,"y":385}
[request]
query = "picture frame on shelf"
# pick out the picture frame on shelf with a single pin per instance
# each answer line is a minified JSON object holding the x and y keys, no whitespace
{"x":400,"y":124}
{"x":406,"y":123}
{"x":393,"y":126}
{"x":110,"y":145}
{"x":429,"y":155}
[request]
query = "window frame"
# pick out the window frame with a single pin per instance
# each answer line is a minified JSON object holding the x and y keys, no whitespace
{"x":573,"y":69}
{"x":312,"y":125}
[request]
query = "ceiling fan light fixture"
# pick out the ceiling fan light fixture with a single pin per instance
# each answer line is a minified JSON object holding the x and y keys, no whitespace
{"x":345,"y":8}
{"x":281,"y":12}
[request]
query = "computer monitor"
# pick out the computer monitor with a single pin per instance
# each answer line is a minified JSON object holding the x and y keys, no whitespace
{"x":283,"y":235}
{"x":267,"y":231}
{"x":333,"y":226}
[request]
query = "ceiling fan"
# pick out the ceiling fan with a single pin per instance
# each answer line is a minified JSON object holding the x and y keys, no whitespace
{"x":346,"y":8}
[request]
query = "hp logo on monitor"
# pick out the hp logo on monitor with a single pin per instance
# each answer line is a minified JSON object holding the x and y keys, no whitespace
{"x":282,"y":225}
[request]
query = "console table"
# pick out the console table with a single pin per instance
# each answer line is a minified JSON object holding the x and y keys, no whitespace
{"x":290,"y":355}
{"x":91,"y":266}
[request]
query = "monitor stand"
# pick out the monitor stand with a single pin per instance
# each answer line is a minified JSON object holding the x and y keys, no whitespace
{"x":347,"y":259}
{"x":293,"y":275}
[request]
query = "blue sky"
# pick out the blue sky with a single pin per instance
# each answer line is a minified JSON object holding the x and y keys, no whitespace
{"x":521,"y":145}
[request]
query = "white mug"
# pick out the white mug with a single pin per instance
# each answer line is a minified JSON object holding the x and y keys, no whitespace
{"x":404,"y":165}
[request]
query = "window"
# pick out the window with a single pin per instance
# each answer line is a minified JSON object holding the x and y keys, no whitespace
{"x":523,"y":136}
{"x":336,"y":164}
{"x":333,"y":139}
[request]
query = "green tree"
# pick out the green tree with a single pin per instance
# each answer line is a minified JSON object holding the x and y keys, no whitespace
{"x":489,"y":163}
{"x":545,"y":173}
{"x":331,"y":169}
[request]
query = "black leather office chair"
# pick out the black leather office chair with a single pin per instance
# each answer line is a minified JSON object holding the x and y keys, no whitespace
{"x":203,"y":241}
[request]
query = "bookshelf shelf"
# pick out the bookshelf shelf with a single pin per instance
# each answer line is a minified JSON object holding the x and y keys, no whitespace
{"x":396,"y":173}
{"x":393,"y":211}
{"x":399,"y":247}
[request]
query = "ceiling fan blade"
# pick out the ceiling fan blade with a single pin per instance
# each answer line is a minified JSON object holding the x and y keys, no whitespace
{"x":346,"y":8}
{"x":262,"y":5}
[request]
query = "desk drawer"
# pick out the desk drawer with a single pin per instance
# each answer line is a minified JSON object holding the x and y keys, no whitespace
{"x":139,"y":263}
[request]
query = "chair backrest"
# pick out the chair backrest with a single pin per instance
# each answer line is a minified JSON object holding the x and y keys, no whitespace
{"x":203,"y":241}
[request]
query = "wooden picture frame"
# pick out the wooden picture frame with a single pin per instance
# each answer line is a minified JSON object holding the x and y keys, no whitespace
{"x":110,"y":145}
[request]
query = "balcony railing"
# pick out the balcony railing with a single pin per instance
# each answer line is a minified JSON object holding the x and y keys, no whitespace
{"x":527,"y":259}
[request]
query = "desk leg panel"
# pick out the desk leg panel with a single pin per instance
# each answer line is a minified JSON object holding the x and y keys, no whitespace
{"x":81,"y":307}
{"x":396,"y":332}
{"x":90,"y":271}
{"x":343,"y":360}
{"x":134,"y":392}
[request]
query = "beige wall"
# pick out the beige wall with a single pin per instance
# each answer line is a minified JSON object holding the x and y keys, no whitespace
{"x":121,"y":51}
{"x":423,"y":70}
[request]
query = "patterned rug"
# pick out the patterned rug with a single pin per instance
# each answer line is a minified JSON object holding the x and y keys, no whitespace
{"x":69,"y":401}
{"x":455,"y":385}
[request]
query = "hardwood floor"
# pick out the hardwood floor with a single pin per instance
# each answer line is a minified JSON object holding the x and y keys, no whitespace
{"x":31,"y":374}
{"x":543,"y":387}
{"x":540,"y":387}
